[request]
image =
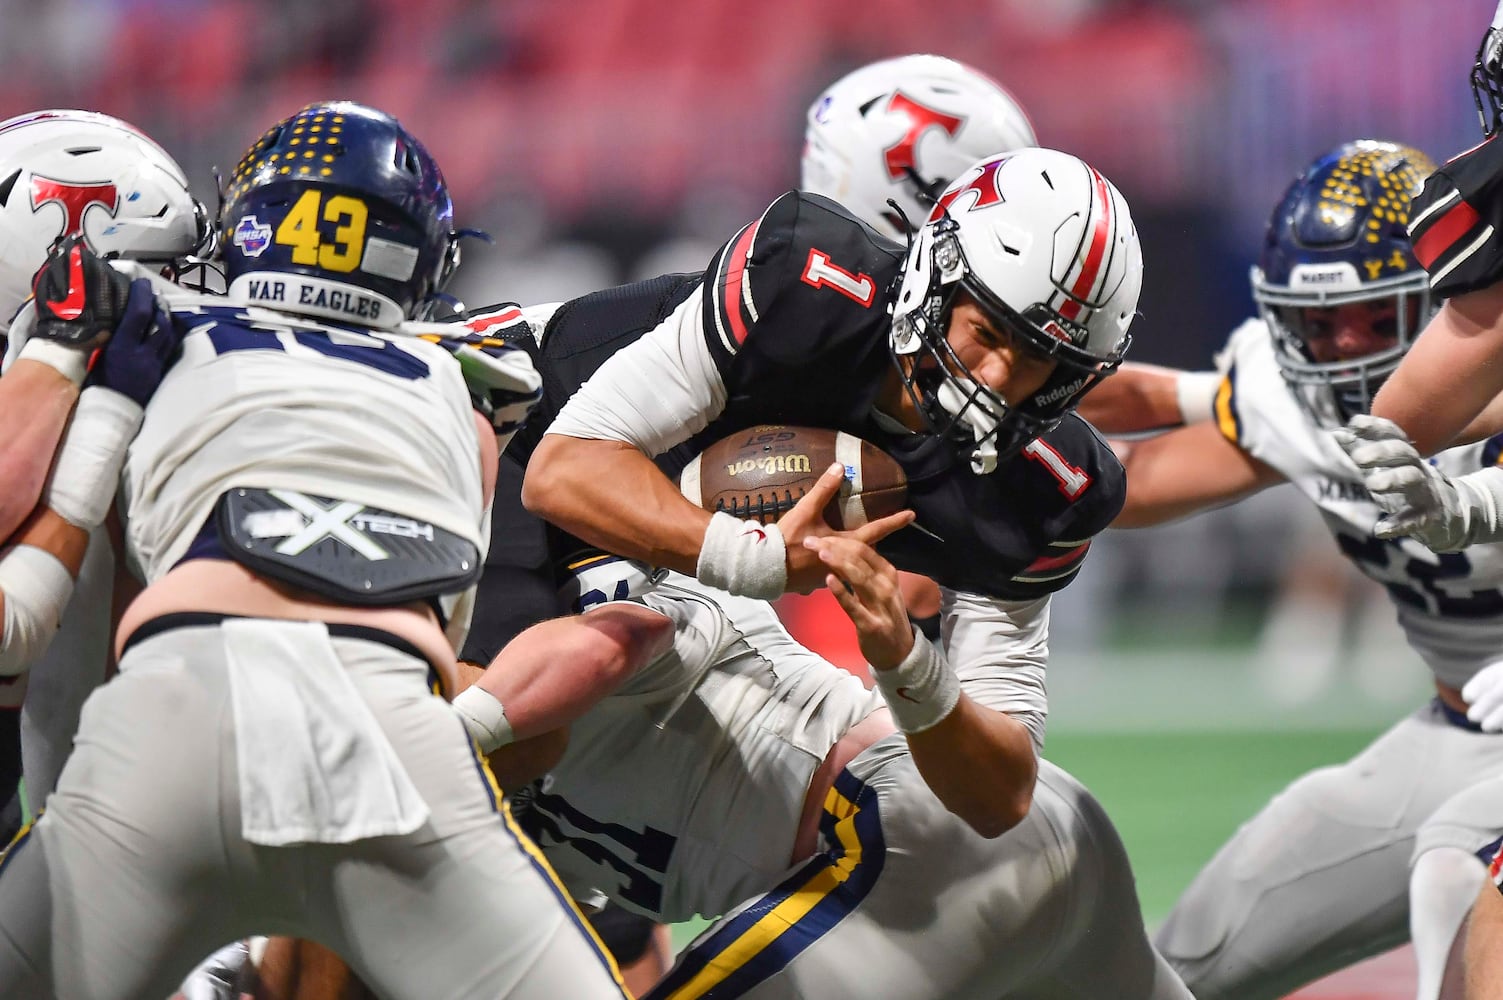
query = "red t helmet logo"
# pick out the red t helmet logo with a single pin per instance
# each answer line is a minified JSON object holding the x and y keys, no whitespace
{"x":899,"y":156}
{"x":75,"y":200}
{"x":984,"y":185}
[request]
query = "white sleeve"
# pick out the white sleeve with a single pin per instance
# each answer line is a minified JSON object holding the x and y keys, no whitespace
{"x":999,"y":650}
{"x":654,"y":393}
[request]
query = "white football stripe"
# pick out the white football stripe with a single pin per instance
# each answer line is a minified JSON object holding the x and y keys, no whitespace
{"x":848,"y":454}
{"x":1461,"y":257}
{"x":688,"y":482}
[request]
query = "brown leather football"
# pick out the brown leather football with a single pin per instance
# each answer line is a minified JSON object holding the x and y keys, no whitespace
{"x":761,"y":472}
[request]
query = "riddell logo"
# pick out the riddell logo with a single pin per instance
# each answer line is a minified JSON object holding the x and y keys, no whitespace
{"x":75,"y":199}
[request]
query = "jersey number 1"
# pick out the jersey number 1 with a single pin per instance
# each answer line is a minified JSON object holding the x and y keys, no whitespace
{"x":821,"y":273}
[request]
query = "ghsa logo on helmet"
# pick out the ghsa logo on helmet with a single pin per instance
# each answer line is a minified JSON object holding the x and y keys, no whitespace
{"x":251,"y":236}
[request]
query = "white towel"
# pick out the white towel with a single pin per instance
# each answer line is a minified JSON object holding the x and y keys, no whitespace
{"x":315,"y":766}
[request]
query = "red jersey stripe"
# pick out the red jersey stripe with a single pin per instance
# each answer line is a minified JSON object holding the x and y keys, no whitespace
{"x":480,"y":324}
{"x":731,"y":289}
{"x":1101,"y":208}
{"x":1444,"y":232}
{"x":1054,"y":562}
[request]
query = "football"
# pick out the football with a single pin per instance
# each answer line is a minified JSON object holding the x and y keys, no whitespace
{"x":761,"y":472}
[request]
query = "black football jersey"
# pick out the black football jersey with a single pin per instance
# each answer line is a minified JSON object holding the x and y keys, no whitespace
{"x":1456,"y":222}
{"x":796,"y":317}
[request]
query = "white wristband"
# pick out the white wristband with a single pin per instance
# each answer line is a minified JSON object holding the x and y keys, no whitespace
{"x":87,"y":471}
{"x":484,"y":718}
{"x":36,"y":586}
{"x":743,"y":557}
{"x":1196,"y":394}
{"x":921,"y":690}
{"x":71,"y":362}
{"x":1481,"y":494}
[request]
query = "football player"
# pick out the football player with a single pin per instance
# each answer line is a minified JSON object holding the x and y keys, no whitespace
{"x":66,"y":173}
{"x":791,"y":323}
{"x":1388,"y":841}
{"x":1452,"y":377}
{"x":305,"y":501}
{"x":741,"y":774}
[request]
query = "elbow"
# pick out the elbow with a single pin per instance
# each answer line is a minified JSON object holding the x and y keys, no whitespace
{"x":623,"y":638}
{"x":993,"y":818}
{"x":540,"y":483}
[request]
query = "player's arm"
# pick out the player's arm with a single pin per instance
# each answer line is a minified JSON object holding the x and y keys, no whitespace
{"x":554,"y":672}
{"x":1484,"y":945}
{"x":37,"y":577}
{"x":1451,"y":374}
{"x":1141,"y":397}
{"x":592,"y":475}
{"x":980,"y":762}
{"x":1184,"y":471}
{"x":35,"y":400}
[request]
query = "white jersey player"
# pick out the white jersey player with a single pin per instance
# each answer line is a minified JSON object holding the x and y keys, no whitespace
{"x":306,"y":504}
{"x":1322,"y":876}
{"x":742,"y":775}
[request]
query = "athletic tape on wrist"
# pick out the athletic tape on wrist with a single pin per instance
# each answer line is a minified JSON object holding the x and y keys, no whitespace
{"x":1196,"y":395}
{"x":70,"y":362}
{"x":743,"y":557}
{"x":37,"y":587}
{"x":921,"y":690}
{"x":484,"y":718}
{"x":87,"y":470}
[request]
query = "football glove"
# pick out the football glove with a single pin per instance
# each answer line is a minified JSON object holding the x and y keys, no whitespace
{"x":80,"y":298}
{"x":142,"y":348}
{"x":503,"y":383}
{"x":1484,"y":698}
{"x":1419,"y":500}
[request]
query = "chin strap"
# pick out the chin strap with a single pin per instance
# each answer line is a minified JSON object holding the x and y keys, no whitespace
{"x":957,"y":397}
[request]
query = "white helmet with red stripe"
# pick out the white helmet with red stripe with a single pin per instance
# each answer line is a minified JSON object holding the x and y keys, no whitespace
{"x":66,"y":172}
{"x":1045,"y":245}
{"x":902,"y":129}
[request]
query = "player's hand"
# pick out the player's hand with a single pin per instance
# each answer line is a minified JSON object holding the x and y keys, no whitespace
{"x":503,"y":383}
{"x":80,"y":298}
{"x":866,"y":586}
{"x":1484,"y":698}
{"x":1418,"y":498}
{"x":143,"y":346}
{"x":806,"y":573}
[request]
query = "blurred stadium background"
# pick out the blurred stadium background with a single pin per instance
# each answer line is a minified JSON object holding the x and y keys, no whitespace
{"x":1198,"y":667}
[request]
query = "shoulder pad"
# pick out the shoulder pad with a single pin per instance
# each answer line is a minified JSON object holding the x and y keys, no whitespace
{"x":1455,"y":221}
{"x":807,"y":258}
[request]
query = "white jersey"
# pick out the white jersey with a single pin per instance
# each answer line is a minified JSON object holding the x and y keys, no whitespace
{"x":680,"y":793}
{"x":1449,"y":605}
{"x":261,"y":399}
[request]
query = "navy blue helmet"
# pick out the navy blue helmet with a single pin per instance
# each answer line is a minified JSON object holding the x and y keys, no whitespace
{"x":1338,"y":282}
{"x":338,"y":212}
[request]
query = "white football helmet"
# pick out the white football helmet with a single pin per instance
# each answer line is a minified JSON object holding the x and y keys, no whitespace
{"x":66,"y":172}
{"x":902,"y":129}
{"x":1045,"y":245}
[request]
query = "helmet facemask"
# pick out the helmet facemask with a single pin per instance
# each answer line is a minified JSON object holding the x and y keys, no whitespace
{"x":1337,"y":263}
{"x":953,"y":402}
{"x":1334,"y":391}
{"x":1487,"y":81}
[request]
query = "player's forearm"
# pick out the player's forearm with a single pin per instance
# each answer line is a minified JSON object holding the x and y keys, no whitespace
{"x":1160,"y":489}
{"x":981,"y":764}
{"x":611,"y":495}
{"x":35,"y":400}
{"x":36,"y":579}
{"x":1147,"y":397}
{"x":554,"y":672}
{"x":551,"y":674}
{"x":1450,"y":375}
